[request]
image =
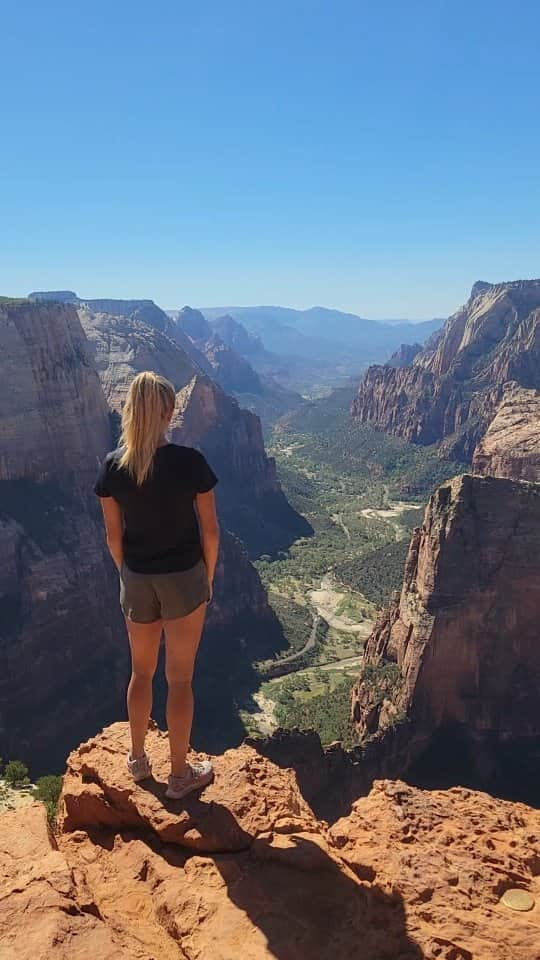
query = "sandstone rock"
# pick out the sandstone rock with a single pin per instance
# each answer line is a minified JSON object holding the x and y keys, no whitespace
{"x":62,"y":646}
{"x":511,"y":446}
{"x":408,"y":874}
{"x":451,"y":390}
{"x":405,"y":355}
{"x":46,"y":910}
{"x":450,"y":855}
{"x":50,"y":392}
{"x":98,"y":791}
{"x":458,"y":654}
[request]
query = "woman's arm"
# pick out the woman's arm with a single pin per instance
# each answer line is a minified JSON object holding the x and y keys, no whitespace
{"x":209,"y":527}
{"x":112,"y":515}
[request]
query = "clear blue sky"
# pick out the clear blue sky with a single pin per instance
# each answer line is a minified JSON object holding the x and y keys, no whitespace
{"x":376,"y":157}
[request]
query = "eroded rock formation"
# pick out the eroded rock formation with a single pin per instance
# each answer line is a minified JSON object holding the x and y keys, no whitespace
{"x":62,"y":648}
{"x":247,"y":870}
{"x":511,"y":445}
{"x":455,"y":661}
{"x":451,"y":390}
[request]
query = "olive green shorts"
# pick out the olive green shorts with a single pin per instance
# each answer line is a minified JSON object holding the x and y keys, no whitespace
{"x":147,"y":597}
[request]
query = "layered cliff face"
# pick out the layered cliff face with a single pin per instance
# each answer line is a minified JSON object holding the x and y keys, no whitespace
{"x":62,"y":650}
{"x":248,"y":870}
{"x":233,"y":373}
{"x":511,"y":445}
{"x":250,"y":500}
{"x":451,"y":673}
{"x":452,"y":388}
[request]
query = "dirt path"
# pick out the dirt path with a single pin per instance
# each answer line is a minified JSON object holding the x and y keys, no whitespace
{"x":337,"y":518}
{"x":309,"y":644}
{"x":326,"y":599}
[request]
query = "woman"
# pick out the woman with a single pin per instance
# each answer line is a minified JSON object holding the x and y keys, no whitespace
{"x":162,"y":532}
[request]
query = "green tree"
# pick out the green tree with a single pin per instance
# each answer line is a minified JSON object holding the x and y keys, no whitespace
{"x":48,"y":791}
{"x":16,"y":773}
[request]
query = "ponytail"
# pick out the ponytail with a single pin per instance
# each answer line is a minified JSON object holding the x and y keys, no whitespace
{"x":149,"y":403}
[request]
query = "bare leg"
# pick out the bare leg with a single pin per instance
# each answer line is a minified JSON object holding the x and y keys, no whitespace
{"x":182,"y":637}
{"x":144,"y":642}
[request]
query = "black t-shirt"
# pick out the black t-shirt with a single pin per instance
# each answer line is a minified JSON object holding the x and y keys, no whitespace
{"x":161,"y":531}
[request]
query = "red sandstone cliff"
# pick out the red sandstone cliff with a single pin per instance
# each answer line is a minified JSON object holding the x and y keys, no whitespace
{"x":511,"y":445}
{"x":62,"y":647}
{"x":451,"y":390}
{"x":456,"y":659}
{"x":247,"y":870}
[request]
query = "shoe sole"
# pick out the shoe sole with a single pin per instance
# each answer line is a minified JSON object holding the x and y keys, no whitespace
{"x":196,"y":785}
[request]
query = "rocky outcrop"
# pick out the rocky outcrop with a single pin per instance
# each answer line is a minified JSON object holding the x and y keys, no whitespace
{"x":450,"y":392}
{"x":511,"y":445}
{"x":451,"y":673}
{"x":250,"y":500}
{"x":62,"y":647}
{"x":405,"y":355}
{"x":247,"y":869}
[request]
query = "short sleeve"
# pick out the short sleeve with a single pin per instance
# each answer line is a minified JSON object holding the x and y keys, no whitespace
{"x":204,"y":477}
{"x":101,"y":487}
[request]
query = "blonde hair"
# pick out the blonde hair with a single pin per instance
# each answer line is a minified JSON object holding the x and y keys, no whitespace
{"x":150,"y":401}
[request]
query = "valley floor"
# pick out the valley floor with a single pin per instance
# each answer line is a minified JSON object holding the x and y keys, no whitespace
{"x":327,"y":589}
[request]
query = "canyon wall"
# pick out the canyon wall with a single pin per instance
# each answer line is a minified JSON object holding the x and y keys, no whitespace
{"x":63,"y":659}
{"x":451,"y":673}
{"x":451,"y":390}
{"x":511,"y":445}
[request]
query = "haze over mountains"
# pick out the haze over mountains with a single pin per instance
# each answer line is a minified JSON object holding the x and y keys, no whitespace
{"x":323,"y":348}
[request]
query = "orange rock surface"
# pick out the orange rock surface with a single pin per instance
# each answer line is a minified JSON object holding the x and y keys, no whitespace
{"x":246,"y":870}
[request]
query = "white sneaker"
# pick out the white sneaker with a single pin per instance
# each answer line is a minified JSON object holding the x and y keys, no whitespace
{"x":140,"y":768}
{"x":198,"y":775}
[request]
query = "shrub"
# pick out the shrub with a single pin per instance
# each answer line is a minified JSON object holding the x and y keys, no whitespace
{"x":48,"y":791}
{"x":16,"y":773}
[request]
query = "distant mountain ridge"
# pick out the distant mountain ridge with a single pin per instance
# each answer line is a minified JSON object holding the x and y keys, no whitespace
{"x":328,"y":324}
{"x":452,"y":389}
